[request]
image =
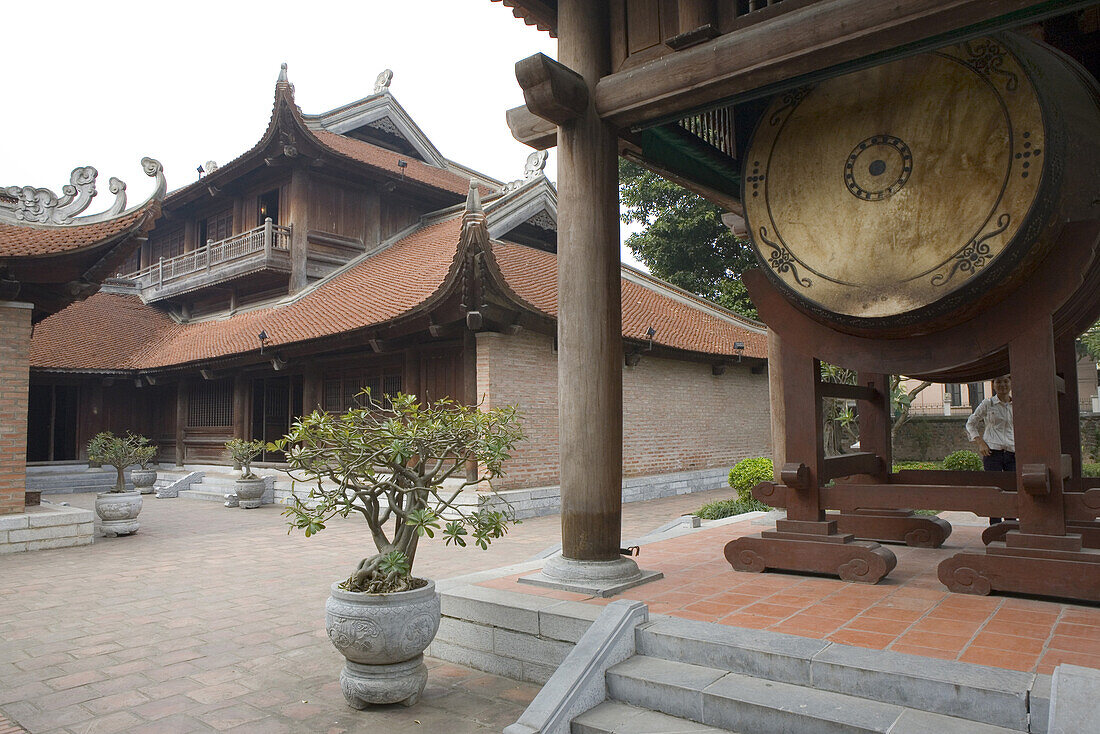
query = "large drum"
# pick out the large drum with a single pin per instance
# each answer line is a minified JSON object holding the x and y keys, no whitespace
{"x":899,"y":199}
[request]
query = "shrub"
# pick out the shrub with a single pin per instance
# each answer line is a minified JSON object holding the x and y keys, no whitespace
{"x":925,"y":465}
{"x":962,"y":461}
{"x":120,"y":452}
{"x":748,"y":473}
{"x":243,"y":453}
{"x":1090,"y":470}
{"x":729,"y":508}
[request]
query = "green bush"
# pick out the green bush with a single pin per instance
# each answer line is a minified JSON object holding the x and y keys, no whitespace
{"x":729,"y":508}
{"x":1090,"y":470}
{"x":962,"y":461}
{"x":748,"y":473}
{"x":926,"y":465}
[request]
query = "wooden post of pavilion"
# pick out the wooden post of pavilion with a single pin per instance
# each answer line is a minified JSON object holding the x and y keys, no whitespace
{"x":590,"y":360}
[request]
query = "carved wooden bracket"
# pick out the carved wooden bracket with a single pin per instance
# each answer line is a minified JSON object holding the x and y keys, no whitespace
{"x":1036,"y":479}
{"x":795,"y":476}
{"x":552,"y":91}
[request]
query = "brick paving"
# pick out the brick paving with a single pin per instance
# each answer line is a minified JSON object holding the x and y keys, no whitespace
{"x":211,"y":619}
{"x":910,"y":611}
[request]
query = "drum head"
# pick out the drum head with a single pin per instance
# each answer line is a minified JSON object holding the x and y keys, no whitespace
{"x":890,"y":191}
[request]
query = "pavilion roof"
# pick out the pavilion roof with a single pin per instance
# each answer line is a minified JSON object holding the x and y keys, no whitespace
{"x":39,"y":240}
{"x":543,"y":14}
{"x":113,"y":332}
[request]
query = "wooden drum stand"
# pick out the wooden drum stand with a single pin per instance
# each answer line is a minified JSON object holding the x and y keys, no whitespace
{"x":1051,"y":551}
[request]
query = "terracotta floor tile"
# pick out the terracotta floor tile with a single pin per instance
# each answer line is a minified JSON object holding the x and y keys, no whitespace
{"x":708,"y":607}
{"x":748,"y":621}
{"x":953,"y":643}
{"x":734,"y":600}
{"x":1082,"y":616}
{"x":838,"y":613}
{"x":861,"y":638}
{"x":777,"y":611}
{"x":946,"y":626}
{"x":892,"y":627}
{"x":1008,"y":643}
{"x":1087,"y":646}
{"x":889,"y":611}
{"x":698,"y":616}
{"x":999,"y":658}
{"x":1077,"y":630}
{"x":1018,"y":629}
{"x":1028,"y":616}
{"x":1054,"y":658}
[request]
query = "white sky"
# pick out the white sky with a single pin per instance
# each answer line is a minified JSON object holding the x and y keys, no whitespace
{"x":103,"y":84}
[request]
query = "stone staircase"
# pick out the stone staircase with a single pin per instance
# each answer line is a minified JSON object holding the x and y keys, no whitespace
{"x":217,"y":483}
{"x":686,"y":677}
{"x":72,"y":478}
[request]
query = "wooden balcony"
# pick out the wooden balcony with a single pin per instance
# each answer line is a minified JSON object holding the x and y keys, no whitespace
{"x":265,"y":248}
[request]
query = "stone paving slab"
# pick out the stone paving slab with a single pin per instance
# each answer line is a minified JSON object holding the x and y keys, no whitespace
{"x":211,"y":619}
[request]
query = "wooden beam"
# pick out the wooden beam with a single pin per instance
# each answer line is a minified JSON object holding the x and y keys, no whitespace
{"x":847,"y":392}
{"x":831,"y":36}
{"x":551,"y":90}
{"x":530,"y":129}
{"x":849,"y":464}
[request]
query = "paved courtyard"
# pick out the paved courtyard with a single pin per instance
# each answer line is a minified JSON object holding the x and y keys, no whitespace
{"x":211,"y":619}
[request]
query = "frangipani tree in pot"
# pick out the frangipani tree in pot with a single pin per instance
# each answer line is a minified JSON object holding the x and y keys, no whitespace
{"x":117,"y":508}
{"x":401,"y":465}
{"x":249,"y":487}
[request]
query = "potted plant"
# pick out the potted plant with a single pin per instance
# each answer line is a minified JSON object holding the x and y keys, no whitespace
{"x":401,"y":465}
{"x":250,"y":487}
{"x":117,"y":508}
{"x":144,"y":477}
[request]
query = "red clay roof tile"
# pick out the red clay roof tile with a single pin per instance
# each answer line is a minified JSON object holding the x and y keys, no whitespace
{"x":35,"y":240}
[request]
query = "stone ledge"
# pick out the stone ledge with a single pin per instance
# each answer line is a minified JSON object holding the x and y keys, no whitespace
{"x":46,"y":526}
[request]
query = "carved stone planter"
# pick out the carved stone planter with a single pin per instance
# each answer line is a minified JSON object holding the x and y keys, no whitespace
{"x":144,"y":479}
{"x":250,"y":492}
{"x":383,"y":637}
{"x":118,"y":512}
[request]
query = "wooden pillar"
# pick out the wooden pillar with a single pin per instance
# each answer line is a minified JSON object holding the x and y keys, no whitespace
{"x":590,"y":311}
{"x":469,"y":385}
{"x":299,"y":222}
{"x":312,"y":389}
{"x":875,"y":421}
{"x":410,"y":379}
{"x":190,"y":236}
{"x":803,"y":420}
{"x":1069,"y":407}
{"x":240,"y":406}
{"x":1038,"y":443}
{"x":181,"y":419}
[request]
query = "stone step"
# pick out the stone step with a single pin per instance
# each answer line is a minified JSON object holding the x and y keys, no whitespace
{"x":738,"y":702}
{"x":615,"y":717}
{"x":954,"y":689}
{"x":208,"y":494}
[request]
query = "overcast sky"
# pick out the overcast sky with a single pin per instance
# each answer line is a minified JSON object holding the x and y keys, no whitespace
{"x":103,"y":84}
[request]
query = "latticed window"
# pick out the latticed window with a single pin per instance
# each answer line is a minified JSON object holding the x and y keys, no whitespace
{"x":168,"y":245}
{"x":210,"y":404}
{"x":216,"y":227}
{"x":342,"y":389}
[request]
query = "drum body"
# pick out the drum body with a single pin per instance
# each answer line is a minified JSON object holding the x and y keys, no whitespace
{"x":901,"y":199}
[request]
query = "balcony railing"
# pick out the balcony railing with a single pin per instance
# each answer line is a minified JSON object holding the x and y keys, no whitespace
{"x":265,"y":239}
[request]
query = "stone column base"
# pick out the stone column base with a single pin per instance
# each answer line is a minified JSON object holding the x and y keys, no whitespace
{"x":597,"y":578}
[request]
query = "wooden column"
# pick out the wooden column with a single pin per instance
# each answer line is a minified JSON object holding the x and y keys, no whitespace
{"x":181,"y":419}
{"x":1069,"y":407}
{"x":410,"y":378}
{"x":875,"y":420}
{"x":469,"y":385}
{"x":299,"y":222}
{"x":1038,"y":442}
{"x":312,"y":389}
{"x":240,"y":406}
{"x":590,"y":310}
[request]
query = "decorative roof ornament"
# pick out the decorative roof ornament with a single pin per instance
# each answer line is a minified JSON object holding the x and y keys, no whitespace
{"x":282,"y":75}
{"x":43,"y":206}
{"x":475,"y":230}
{"x":382,"y":81}
{"x":536,"y":162}
{"x":210,"y":167}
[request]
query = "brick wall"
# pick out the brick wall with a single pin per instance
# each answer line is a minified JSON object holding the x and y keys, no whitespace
{"x":932,"y":437}
{"x":15,"y":341}
{"x":677,"y":416}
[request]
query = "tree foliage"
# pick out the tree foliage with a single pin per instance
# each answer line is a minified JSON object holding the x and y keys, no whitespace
{"x":244,"y":453}
{"x":684,"y":240}
{"x":390,"y":463}
{"x":120,"y":452}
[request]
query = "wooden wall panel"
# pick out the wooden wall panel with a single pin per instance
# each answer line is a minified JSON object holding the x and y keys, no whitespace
{"x":337,"y":208}
{"x":441,"y":374}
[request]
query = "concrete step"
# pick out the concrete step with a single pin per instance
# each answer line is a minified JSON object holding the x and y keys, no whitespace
{"x":954,"y":689}
{"x":615,"y":717}
{"x":738,"y":702}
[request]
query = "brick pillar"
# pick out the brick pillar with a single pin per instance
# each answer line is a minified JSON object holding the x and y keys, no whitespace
{"x":15,"y":348}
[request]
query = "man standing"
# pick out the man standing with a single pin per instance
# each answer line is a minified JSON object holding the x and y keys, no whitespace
{"x":990,"y":426}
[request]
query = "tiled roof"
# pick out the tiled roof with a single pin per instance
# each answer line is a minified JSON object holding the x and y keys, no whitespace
{"x":680,"y":320}
{"x":32,"y":240}
{"x":378,"y":157}
{"x":117,"y":332}
{"x":543,"y":14}
{"x":376,"y":290}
